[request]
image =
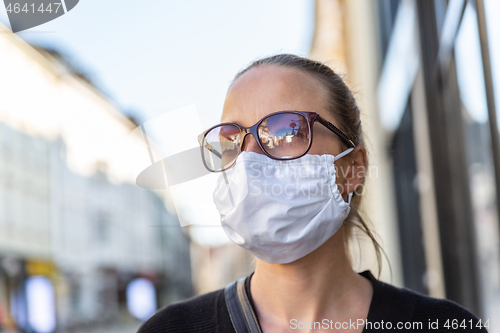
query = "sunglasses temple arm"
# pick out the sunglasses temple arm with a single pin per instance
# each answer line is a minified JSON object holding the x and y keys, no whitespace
{"x":335,"y":130}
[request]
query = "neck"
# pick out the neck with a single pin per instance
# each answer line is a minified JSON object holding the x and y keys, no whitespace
{"x":320,"y":285}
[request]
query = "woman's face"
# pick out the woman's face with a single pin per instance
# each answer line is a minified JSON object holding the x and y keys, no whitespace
{"x":267,"y":89}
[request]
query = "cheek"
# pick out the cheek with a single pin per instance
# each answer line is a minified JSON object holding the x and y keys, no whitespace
{"x":324,"y":145}
{"x":342,"y":172}
{"x":339,"y":178}
{"x":324,"y":142}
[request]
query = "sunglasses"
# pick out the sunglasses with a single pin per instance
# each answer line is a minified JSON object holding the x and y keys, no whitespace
{"x":283,"y":135}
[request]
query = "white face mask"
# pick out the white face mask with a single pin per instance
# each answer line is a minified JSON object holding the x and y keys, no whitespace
{"x":281,"y":211}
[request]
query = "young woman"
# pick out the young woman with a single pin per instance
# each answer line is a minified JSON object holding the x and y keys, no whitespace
{"x":291,"y":157}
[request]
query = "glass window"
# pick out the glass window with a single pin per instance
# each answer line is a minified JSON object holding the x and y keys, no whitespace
{"x":479,"y":158}
{"x":493,"y":26}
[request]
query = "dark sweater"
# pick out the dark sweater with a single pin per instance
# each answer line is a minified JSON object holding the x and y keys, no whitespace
{"x":208,"y":313}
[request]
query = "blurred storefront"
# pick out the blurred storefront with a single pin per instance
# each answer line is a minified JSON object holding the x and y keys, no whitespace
{"x":345,"y":39}
{"x":75,"y":229}
{"x":12,"y":277}
{"x":424,"y":72}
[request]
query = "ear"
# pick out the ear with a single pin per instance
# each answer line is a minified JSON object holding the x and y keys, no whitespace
{"x":353,"y":170}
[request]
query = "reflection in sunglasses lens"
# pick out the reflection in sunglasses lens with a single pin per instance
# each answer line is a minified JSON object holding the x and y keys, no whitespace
{"x":221,"y":146}
{"x":285,"y":134}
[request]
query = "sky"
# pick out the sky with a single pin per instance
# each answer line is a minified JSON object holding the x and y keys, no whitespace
{"x":158,"y":59}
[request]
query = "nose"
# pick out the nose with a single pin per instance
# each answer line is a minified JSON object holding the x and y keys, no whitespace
{"x":250,"y":144}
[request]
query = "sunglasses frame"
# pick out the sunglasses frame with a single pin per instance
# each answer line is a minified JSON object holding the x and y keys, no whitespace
{"x":311,"y":117}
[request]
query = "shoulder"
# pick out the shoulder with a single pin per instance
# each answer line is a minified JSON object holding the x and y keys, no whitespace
{"x":196,"y":314}
{"x":437,"y":306}
{"x":403,"y":305}
{"x":444,"y":314}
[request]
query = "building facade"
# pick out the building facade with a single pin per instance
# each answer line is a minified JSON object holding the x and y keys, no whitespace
{"x":71,"y":214}
{"x":425,"y":72}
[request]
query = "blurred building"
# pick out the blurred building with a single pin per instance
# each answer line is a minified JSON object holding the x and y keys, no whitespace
{"x":423,"y":75}
{"x":74,"y":226}
{"x":216,"y":266}
{"x":345,"y":38}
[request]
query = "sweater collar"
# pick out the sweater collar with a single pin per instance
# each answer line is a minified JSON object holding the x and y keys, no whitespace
{"x":388,"y":304}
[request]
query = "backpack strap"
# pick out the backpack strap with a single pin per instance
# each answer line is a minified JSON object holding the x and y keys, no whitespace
{"x":240,"y":311}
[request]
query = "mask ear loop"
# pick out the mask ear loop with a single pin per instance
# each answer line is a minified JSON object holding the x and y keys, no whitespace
{"x":342,"y":154}
{"x":349,"y":198}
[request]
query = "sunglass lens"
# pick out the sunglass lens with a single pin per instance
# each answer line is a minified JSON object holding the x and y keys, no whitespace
{"x":285,"y":135}
{"x":221,"y":147}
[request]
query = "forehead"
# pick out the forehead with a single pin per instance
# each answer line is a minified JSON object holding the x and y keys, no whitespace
{"x":269,"y":88}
